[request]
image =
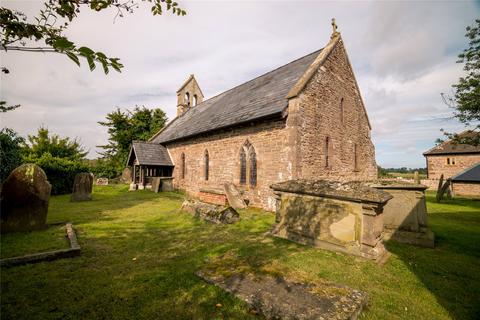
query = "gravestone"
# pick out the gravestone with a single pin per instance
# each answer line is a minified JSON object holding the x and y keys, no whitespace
{"x":24,"y":199}
{"x":416,"y":177}
{"x":102,"y":182}
{"x":156,"y":184}
{"x":82,"y":187}
{"x":234,"y":197}
{"x":126,"y":175}
{"x":211,"y":212}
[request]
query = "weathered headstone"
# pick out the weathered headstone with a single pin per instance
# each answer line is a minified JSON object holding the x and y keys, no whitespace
{"x":440,"y":184}
{"x":211,"y":212}
{"x":102,"y":182}
{"x":234,"y":197}
{"x":444,"y":188}
{"x":82,"y":187}
{"x":156,"y":184}
{"x":24,"y":199}
{"x":416,"y":177}
{"x":126,"y":175}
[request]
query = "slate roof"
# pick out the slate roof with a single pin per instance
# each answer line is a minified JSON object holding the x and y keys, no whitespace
{"x":471,"y":174}
{"x":152,"y":154}
{"x":262,"y":97}
{"x":450,"y":147}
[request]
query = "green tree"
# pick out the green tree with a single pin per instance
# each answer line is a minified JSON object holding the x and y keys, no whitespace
{"x":56,"y":146}
{"x":123,"y":128}
{"x":19,"y":32}
{"x":60,"y":158}
{"x":10,"y":152}
{"x":466,"y":93}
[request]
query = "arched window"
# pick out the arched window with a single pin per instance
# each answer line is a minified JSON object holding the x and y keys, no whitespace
{"x":207,"y":163}
{"x":187,"y":98}
{"x":248,"y":161}
{"x":341,"y":111}
{"x":183,"y":165}
{"x":252,"y":159}
{"x":243,"y":166}
{"x":195,"y":100}
{"x":327,"y":152}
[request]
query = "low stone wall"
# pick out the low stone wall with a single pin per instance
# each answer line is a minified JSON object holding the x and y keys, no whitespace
{"x":346,"y":217}
{"x":405,"y":215}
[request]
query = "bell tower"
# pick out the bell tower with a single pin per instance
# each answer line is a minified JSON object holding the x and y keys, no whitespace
{"x":189,"y":95}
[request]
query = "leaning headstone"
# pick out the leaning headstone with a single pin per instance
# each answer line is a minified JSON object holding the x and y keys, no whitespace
{"x":82,"y":187}
{"x":234,"y":197}
{"x":24,"y":199}
{"x":102,"y":182}
{"x":443,"y":189}
{"x":440,"y":184}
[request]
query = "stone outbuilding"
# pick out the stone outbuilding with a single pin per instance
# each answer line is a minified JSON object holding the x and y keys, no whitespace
{"x":303,"y":120}
{"x":453,"y":160}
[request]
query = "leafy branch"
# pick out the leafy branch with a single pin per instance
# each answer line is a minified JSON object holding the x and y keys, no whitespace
{"x":54,"y":19}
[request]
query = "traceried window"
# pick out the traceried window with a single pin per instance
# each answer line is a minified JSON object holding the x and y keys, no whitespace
{"x":248,"y":164}
{"x":183,"y":165}
{"x":243,"y":166}
{"x":207,"y":164}
{"x":252,"y":161}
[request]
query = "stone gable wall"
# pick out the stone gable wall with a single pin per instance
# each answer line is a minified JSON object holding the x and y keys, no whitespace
{"x":273,"y":156}
{"x":316,"y":114}
{"x":437,"y":165}
{"x":193,"y":89}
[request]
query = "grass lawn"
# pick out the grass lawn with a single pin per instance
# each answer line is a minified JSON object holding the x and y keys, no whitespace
{"x":139,"y":255}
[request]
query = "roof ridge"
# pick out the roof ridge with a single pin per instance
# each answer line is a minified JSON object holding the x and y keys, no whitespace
{"x":239,"y":85}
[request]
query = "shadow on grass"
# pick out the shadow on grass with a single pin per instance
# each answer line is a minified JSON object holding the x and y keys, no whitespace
{"x":451,"y":270}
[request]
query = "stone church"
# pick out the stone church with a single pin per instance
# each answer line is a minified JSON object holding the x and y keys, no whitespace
{"x":303,"y":120}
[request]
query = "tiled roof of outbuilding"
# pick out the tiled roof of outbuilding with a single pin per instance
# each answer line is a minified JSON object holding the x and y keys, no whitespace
{"x":471,"y":174}
{"x":256,"y":99}
{"x":451,"y":147}
{"x":147,"y":153}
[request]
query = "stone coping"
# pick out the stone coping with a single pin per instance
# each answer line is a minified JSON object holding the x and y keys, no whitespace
{"x":397,"y":185}
{"x":354,"y":191}
{"x":213,"y":191}
{"x":73,"y":251}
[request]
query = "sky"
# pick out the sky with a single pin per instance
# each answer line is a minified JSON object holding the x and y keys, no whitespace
{"x":403,"y":54}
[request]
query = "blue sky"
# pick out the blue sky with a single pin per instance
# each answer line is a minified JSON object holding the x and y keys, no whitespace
{"x":403,"y":54}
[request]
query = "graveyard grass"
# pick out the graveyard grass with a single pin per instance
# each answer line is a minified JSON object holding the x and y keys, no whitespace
{"x":139,"y":255}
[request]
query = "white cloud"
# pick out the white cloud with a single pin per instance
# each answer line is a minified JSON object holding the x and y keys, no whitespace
{"x":403,"y":55}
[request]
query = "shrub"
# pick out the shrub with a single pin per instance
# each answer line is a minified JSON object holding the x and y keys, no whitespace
{"x":60,"y":171}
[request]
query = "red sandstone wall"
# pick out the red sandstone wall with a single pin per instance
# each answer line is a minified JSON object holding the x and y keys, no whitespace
{"x":317,"y":111}
{"x":270,"y":143}
{"x":437,"y":165}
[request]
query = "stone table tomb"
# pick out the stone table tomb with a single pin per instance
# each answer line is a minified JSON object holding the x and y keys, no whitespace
{"x":345,"y":217}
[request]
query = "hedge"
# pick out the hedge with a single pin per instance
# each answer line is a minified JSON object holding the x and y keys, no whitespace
{"x":60,"y":172}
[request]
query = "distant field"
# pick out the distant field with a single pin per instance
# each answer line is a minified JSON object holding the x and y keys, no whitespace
{"x":140,"y":252}
{"x":406,"y":175}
